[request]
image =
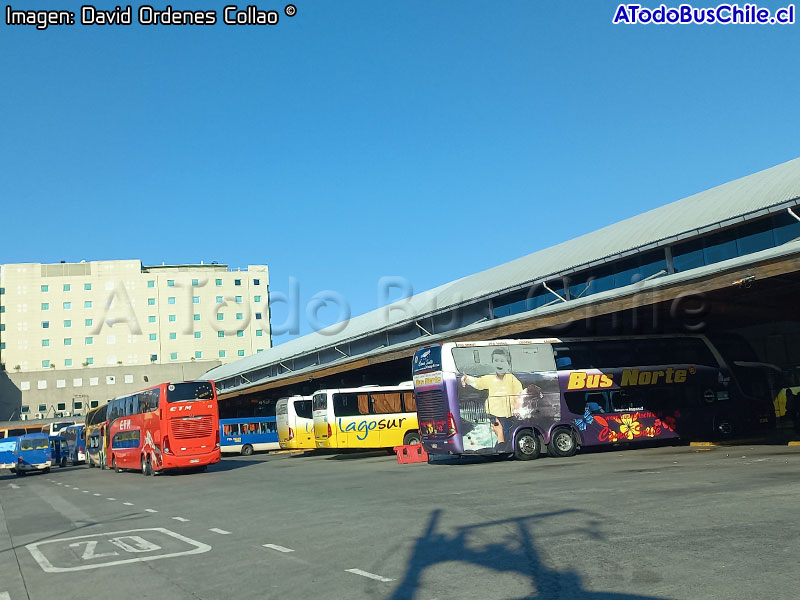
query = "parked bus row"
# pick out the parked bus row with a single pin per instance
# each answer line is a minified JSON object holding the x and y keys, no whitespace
{"x":48,"y":428}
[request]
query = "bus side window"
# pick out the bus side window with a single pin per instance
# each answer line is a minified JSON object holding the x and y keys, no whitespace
{"x":347,"y":405}
{"x":409,"y":402}
{"x":597,"y":402}
{"x":385,"y":403}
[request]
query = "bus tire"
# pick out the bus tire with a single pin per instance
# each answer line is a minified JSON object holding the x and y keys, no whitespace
{"x":247,"y":450}
{"x":46,"y":470}
{"x":527,"y":445}
{"x":20,"y":473}
{"x":91,"y":464}
{"x":114,"y":464}
{"x":562,"y":443}
{"x":144,"y":465}
{"x":411,"y":438}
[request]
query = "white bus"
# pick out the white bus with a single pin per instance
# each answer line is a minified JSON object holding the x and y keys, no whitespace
{"x":295,"y":423}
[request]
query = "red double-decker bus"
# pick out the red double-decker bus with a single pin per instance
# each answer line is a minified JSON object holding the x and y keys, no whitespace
{"x":169,"y":426}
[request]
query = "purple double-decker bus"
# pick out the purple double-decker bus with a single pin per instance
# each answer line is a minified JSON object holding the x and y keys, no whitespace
{"x":525,"y":396}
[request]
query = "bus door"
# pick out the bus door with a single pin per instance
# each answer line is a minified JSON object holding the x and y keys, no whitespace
{"x":324,"y":425}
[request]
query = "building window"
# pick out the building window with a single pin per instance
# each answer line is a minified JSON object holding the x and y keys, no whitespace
{"x":45,"y":306}
{"x":238,"y":299}
{"x":259,"y":350}
{"x":173,"y":356}
{"x":218,"y":282}
{"x":67,"y":323}
{"x":173,"y":335}
{"x":197,"y":335}
{"x":45,"y":288}
{"x":77,"y":405}
{"x":87,"y":286}
{"x":237,"y":282}
{"x":196,"y":317}
{"x":45,"y":364}
{"x":240,"y":333}
{"x":90,"y":361}
{"x":2,"y":309}
{"x":66,"y":287}
{"x":222,"y":353}
{"x":45,"y":343}
{"x":195,"y":283}
{"x":87,"y":304}
{"x":68,"y":341}
{"x":67,"y":362}
{"x":170,"y":283}
{"x":256,"y":298}
{"x":87,"y":322}
{"x":259,"y":332}
{"x":45,"y":324}
{"x":171,"y":318}
{"x":240,"y":352}
{"x":151,"y":319}
{"x":89,"y":341}
{"x":195,"y":299}
{"x":151,"y":283}
{"x":94,"y":404}
{"x":256,"y":282}
{"x":219,"y":299}
{"x":220,"y":334}
{"x":25,"y":409}
{"x":198,"y":354}
{"x":258,"y":315}
{"x":61,"y":406}
{"x":151,"y":302}
{"x":2,"y":326}
{"x":2,"y":345}
{"x":239,"y":316}
{"x":220,"y":316}
{"x":171,"y":300}
{"x":152,"y":337}
{"x":67,"y":305}
{"x":153,"y":357}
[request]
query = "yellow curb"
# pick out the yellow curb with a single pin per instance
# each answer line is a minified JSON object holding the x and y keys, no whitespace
{"x":696,"y":444}
{"x":794,"y":443}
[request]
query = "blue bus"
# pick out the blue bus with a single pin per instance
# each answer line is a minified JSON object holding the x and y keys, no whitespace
{"x":244,"y":435}
{"x":8,"y":452}
{"x":76,"y":440}
{"x":33,"y":454}
{"x":59,"y":450}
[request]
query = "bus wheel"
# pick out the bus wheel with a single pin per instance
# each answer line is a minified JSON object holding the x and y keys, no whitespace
{"x":247,"y":450}
{"x":114,"y":465}
{"x":46,"y":470}
{"x":527,"y":445}
{"x":562,"y":443}
{"x":144,"y":465}
{"x":91,"y":464}
{"x":725,"y":428}
{"x":20,"y":473}
{"x":63,"y":463}
{"x":411,"y":438}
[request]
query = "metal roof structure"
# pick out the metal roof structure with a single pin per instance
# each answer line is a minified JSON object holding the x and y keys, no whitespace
{"x":766,"y":192}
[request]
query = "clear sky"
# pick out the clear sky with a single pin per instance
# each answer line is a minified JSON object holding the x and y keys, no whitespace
{"x":423,"y":140}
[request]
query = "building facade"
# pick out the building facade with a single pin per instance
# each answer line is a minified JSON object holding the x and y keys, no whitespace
{"x":70,"y":319}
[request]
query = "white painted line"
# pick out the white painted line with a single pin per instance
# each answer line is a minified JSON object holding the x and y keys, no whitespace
{"x":13,"y":486}
{"x":76,"y":488}
{"x":95,"y":494}
{"x":112,"y":499}
{"x":4,"y":596}
{"x":181,"y":519}
{"x":278,"y":548}
{"x":85,"y":491}
{"x":128,"y":503}
{"x":150,"y":510}
{"x":220,"y":531}
{"x":370,"y":575}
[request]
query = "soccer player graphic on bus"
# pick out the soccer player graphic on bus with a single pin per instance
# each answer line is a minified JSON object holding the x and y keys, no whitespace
{"x":505,"y":399}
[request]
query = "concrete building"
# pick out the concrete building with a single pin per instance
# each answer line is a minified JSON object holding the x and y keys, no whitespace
{"x":70,"y":319}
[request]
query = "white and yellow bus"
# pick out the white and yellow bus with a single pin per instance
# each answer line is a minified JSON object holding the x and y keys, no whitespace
{"x":295,"y":423}
{"x":365,"y":417}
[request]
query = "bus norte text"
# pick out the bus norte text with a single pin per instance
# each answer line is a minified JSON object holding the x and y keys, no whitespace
{"x":579,"y":380}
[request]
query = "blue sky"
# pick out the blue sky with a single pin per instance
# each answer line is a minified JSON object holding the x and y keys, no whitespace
{"x":346,"y":143}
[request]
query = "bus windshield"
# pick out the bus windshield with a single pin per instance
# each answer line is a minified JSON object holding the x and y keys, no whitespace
{"x":190,"y":391}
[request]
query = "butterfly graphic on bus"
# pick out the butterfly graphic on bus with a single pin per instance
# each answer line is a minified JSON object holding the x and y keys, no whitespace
{"x":589,"y":417}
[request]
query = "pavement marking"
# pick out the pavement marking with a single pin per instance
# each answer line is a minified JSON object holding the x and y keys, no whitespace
{"x":4,"y":596}
{"x":278,"y":548}
{"x":220,"y":531}
{"x":112,"y":499}
{"x":181,"y":519}
{"x":13,"y":486}
{"x":76,"y":488}
{"x":370,"y":575}
{"x":85,"y":491}
{"x":150,"y":510}
{"x":95,"y":494}
{"x":128,"y":503}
